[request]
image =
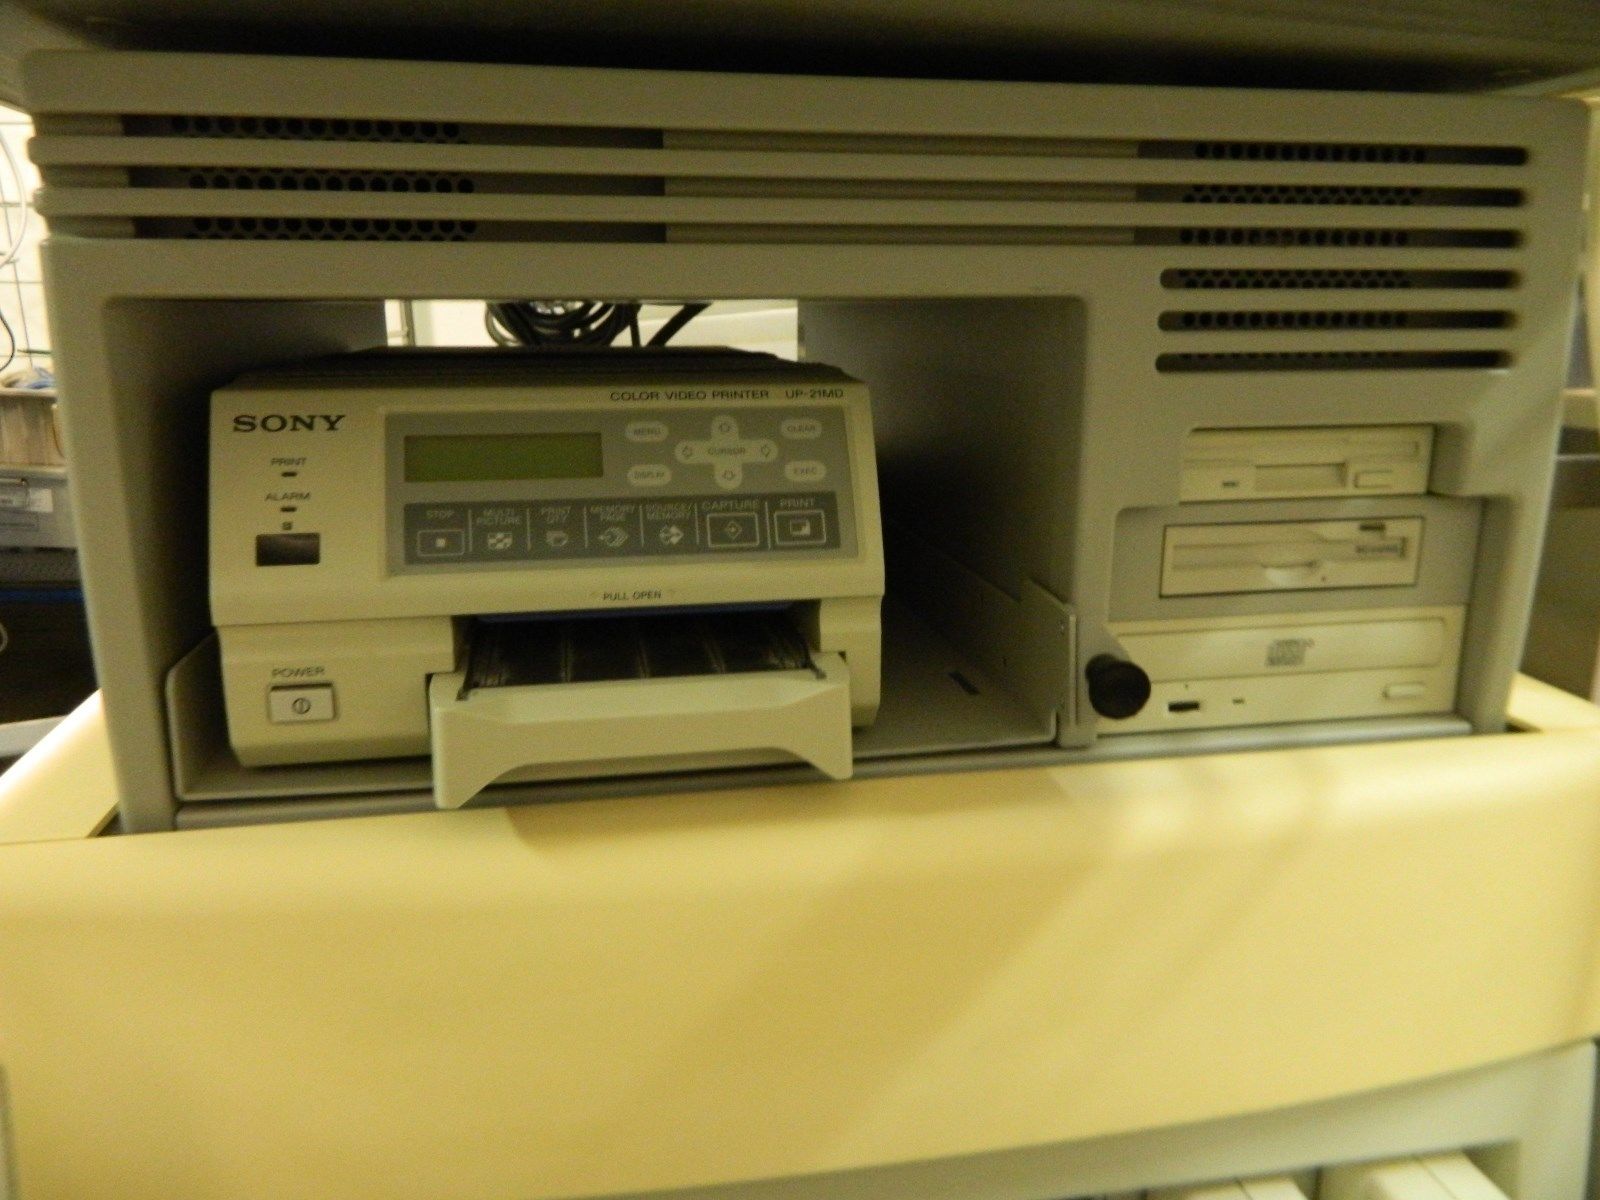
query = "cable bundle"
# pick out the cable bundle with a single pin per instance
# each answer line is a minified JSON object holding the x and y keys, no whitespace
{"x":575,"y":322}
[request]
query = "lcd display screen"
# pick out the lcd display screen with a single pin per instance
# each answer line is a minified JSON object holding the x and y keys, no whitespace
{"x":486,"y":457}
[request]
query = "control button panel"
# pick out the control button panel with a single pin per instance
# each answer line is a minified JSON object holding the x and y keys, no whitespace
{"x":661,"y":473}
{"x":302,"y":702}
{"x":605,"y":528}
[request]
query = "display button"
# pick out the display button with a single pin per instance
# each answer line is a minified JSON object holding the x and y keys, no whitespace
{"x":801,"y":428}
{"x":724,"y":428}
{"x":733,"y":531}
{"x":645,"y":431}
{"x":288,"y":549}
{"x":800,"y":527}
{"x":805,"y":470}
{"x":441,"y":543}
{"x":287,"y":705}
{"x":650,"y":475}
{"x":728,"y":476}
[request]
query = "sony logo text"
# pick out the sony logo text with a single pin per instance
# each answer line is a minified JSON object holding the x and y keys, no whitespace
{"x":287,"y":422}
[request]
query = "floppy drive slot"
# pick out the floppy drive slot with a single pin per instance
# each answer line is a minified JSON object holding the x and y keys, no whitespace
{"x":1275,"y":556}
{"x":1277,"y":464}
{"x":568,"y":698}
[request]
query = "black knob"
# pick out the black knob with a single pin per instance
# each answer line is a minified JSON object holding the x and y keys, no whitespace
{"x":1117,"y":687}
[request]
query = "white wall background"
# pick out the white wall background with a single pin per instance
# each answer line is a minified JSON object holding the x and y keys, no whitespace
{"x":21,"y":287}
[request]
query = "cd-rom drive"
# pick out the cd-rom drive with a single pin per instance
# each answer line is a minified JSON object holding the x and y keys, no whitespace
{"x":1237,"y":671}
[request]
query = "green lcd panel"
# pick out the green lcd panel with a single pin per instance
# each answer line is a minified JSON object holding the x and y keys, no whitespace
{"x":486,"y":457}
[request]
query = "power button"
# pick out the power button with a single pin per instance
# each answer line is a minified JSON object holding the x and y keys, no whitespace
{"x":304,"y":702}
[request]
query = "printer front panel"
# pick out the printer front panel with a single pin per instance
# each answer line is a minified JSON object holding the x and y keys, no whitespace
{"x":361,"y":533}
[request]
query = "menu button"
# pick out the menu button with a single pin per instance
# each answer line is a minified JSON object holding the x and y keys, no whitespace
{"x":645,"y":431}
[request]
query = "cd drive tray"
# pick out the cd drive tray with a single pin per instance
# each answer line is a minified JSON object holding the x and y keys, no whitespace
{"x":565,"y":698}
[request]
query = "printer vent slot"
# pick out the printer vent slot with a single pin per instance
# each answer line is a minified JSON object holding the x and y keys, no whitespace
{"x":324,"y":229}
{"x":1335,"y":360}
{"x":1225,"y":321}
{"x":1350,"y":194}
{"x":1329,"y":278}
{"x":294,"y":179}
{"x":1272,"y":235}
{"x":1337,"y":152}
{"x":292,"y":128}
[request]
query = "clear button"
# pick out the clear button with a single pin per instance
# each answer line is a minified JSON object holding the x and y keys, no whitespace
{"x":801,"y":428}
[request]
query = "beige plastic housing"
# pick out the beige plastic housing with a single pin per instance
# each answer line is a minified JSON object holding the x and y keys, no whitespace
{"x":1028,"y":249}
{"x":1450,"y":1176}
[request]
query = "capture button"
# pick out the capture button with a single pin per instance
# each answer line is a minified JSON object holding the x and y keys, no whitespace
{"x":799,"y":428}
{"x":645,"y":431}
{"x":805,"y":470}
{"x":733,"y":531}
{"x":312,"y":702}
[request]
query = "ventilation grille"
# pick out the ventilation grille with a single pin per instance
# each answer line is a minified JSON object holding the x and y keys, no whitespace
{"x":1357,"y":194}
{"x":330,"y":129}
{"x":1334,"y":360}
{"x":283,"y":179}
{"x":248,"y":176}
{"x":1322,"y":278}
{"x":330,"y":229}
{"x":1375,"y":153}
{"x":1235,"y":320}
{"x":1341,"y":237}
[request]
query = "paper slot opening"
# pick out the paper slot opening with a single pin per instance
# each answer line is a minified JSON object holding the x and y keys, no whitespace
{"x":617,"y":647}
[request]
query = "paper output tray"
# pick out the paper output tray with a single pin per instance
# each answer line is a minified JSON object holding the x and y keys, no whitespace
{"x":557,"y":729}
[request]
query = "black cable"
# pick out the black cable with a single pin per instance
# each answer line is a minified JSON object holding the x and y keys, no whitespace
{"x":575,"y":322}
{"x":11,"y":354}
{"x":676,"y":322}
